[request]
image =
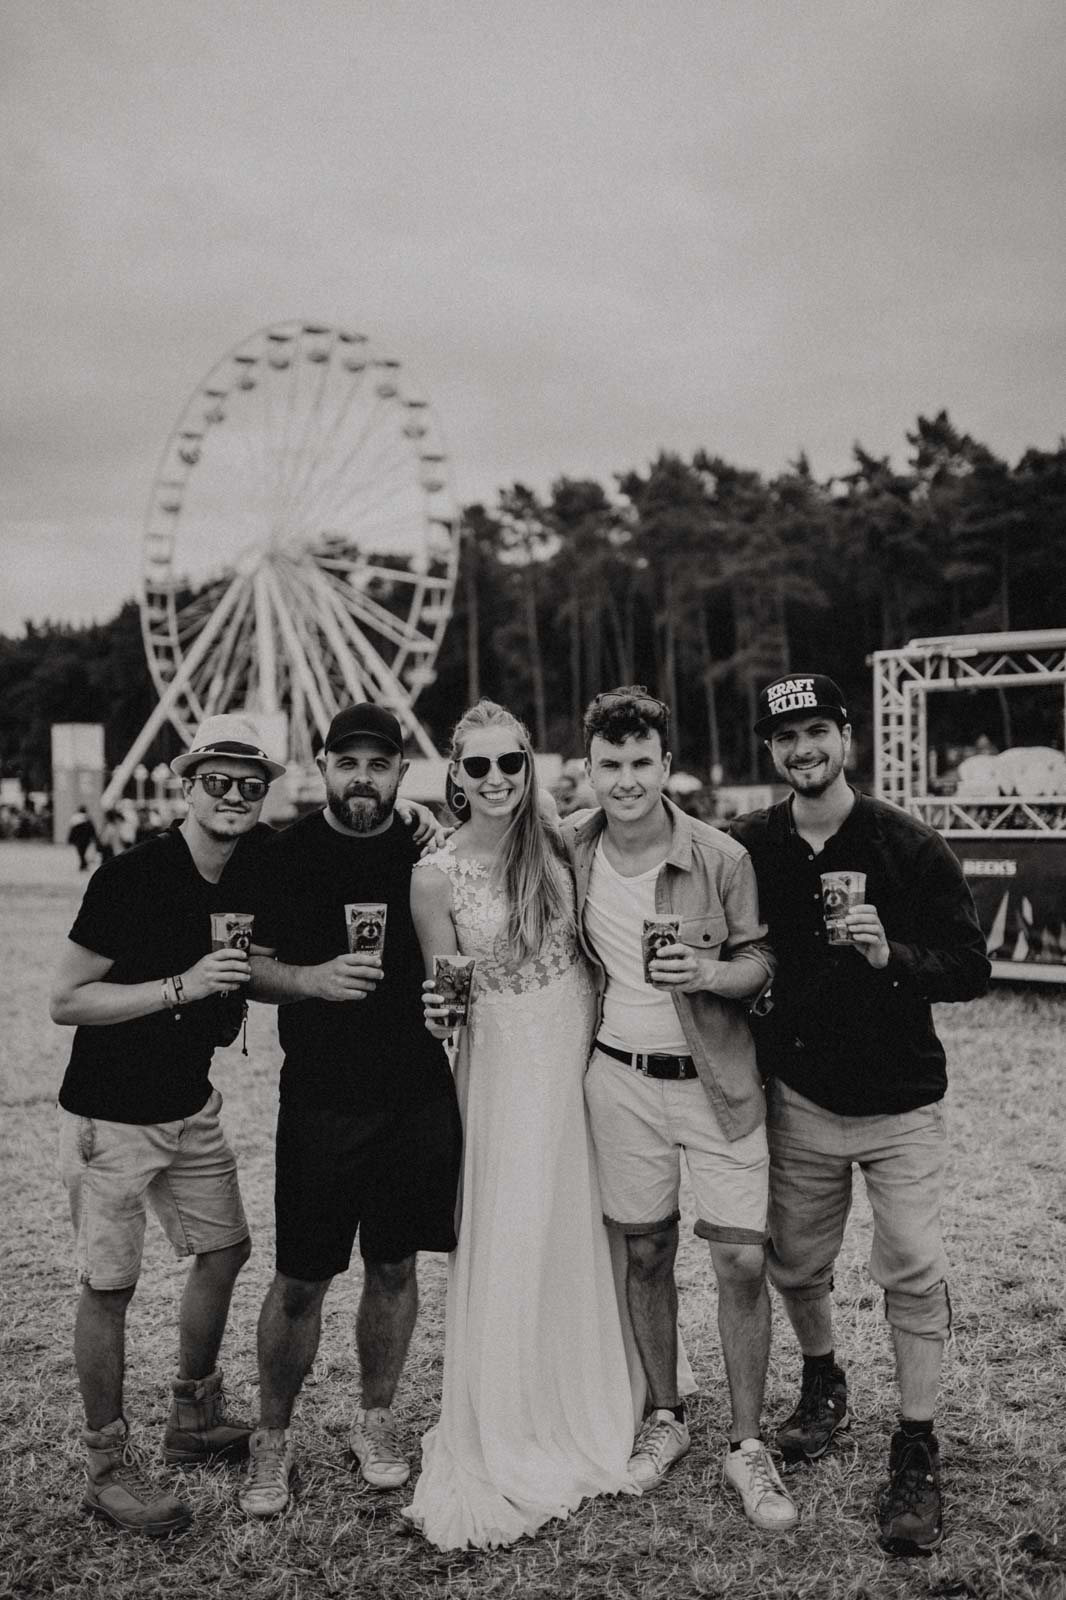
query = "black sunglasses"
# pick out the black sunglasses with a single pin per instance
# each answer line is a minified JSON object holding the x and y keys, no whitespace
{"x":638,"y":698}
{"x":509,"y":763}
{"x":217,"y":784}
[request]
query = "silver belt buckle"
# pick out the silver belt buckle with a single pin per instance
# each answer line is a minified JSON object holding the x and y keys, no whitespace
{"x":641,"y":1064}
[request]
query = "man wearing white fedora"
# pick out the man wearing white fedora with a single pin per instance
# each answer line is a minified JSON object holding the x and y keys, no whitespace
{"x":139,"y":1118}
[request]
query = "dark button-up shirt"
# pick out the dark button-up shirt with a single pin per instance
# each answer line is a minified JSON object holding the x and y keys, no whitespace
{"x":858,"y":1040}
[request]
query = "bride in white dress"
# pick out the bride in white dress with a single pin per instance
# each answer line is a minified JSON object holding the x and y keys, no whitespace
{"x":537,"y":1410}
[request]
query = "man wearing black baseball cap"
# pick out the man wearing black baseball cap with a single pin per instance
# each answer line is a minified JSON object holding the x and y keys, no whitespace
{"x":368,"y":1136}
{"x":856,"y":1073}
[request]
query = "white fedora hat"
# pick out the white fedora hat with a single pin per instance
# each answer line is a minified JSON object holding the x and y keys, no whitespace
{"x":226,"y":735}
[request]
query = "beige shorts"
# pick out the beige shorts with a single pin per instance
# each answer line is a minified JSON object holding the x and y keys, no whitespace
{"x":903,"y":1159}
{"x":185,"y":1171}
{"x":641,"y":1125}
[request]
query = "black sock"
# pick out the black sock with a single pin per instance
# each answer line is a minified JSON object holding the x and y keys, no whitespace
{"x":813,"y":1364}
{"x":679,"y":1412}
{"x":912,"y":1429}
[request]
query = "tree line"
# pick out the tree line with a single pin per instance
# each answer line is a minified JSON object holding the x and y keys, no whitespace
{"x":697,"y":577}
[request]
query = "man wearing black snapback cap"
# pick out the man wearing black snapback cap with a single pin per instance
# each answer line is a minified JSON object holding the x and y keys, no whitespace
{"x":857,"y":1074}
{"x":368,"y":1136}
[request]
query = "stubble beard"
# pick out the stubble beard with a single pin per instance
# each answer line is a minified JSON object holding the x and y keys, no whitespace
{"x":815,"y":790}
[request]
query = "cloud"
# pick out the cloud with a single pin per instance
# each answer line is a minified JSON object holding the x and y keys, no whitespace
{"x":588,"y":231}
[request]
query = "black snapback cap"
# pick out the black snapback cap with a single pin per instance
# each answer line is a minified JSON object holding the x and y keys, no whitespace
{"x":366,"y":719}
{"x":798,"y":694}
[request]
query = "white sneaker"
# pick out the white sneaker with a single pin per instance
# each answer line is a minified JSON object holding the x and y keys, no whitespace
{"x":751,"y":1472}
{"x":661,"y":1441}
{"x":271,"y":1469}
{"x":375,"y":1444}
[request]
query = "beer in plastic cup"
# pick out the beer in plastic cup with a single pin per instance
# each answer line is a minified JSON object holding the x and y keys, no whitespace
{"x":231,"y":930}
{"x":840,"y":892}
{"x":451,"y":979}
{"x":654,"y":934}
{"x":366,"y":929}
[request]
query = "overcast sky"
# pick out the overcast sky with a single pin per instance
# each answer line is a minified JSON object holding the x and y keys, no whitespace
{"x":590,"y":229}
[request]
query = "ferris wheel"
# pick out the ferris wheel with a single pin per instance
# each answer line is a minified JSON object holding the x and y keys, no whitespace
{"x":301,"y":541}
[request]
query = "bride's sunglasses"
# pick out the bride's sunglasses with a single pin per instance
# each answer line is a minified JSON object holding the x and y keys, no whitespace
{"x":510,"y":763}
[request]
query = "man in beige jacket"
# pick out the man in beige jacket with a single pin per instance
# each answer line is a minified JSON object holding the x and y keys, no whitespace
{"x":673,"y":1069}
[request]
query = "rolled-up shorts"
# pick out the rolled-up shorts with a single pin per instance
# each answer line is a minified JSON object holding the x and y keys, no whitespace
{"x":115,"y":1172}
{"x":902,"y":1158}
{"x":641,"y":1125}
{"x":390,"y":1175}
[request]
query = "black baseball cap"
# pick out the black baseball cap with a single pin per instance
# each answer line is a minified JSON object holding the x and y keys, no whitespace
{"x":798,"y":694}
{"x":366,"y":719}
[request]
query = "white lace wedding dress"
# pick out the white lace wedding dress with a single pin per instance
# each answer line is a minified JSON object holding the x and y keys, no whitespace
{"x":537,"y":1410}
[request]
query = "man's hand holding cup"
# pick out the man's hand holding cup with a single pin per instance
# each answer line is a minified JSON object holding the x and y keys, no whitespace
{"x":347,"y":977}
{"x":219,"y":972}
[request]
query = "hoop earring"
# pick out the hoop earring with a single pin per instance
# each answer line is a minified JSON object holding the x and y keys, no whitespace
{"x":458,"y":801}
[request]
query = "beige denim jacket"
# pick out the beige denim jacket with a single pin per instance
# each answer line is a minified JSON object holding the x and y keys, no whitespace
{"x":708,"y":881}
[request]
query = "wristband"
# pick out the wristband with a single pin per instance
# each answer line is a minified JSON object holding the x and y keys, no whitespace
{"x":173,"y":994}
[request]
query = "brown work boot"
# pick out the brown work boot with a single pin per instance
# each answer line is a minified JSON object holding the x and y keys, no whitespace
{"x":118,"y":1493}
{"x":198,"y":1429}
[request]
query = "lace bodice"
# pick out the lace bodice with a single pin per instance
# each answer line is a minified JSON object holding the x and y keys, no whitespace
{"x":479,"y":909}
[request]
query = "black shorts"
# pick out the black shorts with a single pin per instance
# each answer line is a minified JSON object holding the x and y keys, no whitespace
{"x":392,"y":1176}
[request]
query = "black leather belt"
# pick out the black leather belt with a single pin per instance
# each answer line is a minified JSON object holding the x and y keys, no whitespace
{"x":652,"y":1066}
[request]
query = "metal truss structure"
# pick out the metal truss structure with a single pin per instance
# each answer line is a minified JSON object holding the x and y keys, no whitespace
{"x":903,"y":682}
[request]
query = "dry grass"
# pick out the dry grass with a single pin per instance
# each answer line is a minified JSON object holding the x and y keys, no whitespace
{"x":1000,"y":1422}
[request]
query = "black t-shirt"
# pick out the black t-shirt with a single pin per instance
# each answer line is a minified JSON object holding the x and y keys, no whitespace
{"x":360,"y":1053}
{"x":149,"y":911}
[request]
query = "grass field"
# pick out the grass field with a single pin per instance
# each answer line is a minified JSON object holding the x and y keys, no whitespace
{"x":1002,"y":1421}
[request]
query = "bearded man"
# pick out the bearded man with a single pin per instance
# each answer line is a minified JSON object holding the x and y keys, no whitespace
{"x":871,"y":921}
{"x":368,"y":1135}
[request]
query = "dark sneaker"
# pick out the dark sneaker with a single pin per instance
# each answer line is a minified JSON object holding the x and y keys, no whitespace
{"x":822,"y":1412}
{"x":909,"y":1507}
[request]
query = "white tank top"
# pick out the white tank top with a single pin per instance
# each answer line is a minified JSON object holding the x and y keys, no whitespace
{"x":636,"y":1016}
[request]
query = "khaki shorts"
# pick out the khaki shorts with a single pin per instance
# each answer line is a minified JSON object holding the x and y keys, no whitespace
{"x":185,"y":1171}
{"x":641,"y":1125}
{"x":902,"y":1158}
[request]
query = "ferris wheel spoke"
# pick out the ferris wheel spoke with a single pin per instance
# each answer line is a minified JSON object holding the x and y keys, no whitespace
{"x":382,"y":482}
{"x":370,"y":613}
{"x":332,"y":629}
{"x":217,"y":670}
{"x":188,"y":619}
{"x":396,"y":574}
{"x":298,"y":662}
{"x":306,"y":488}
{"x":329,"y":492}
{"x":233,"y":689}
{"x":311,"y":443}
{"x":304,"y":614}
{"x":389,"y":690}
{"x":291,"y":389}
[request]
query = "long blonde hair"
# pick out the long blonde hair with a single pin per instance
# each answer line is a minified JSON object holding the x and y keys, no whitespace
{"x":529,"y":864}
